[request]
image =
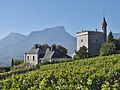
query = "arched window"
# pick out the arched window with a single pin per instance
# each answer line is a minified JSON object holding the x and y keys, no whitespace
{"x":81,"y":40}
{"x":33,"y":58}
{"x":27,"y":57}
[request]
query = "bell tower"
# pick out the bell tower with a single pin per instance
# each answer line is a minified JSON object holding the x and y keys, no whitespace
{"x":104,"y":28}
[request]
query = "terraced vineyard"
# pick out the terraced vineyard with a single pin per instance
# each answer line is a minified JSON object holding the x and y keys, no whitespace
{"x":86,"y":74}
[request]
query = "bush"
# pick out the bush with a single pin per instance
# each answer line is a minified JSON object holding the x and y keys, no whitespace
{"x":107,"y":48}
{"x":4,"y":69}
{"x":81,"y":53}
{"x":18,"y":62}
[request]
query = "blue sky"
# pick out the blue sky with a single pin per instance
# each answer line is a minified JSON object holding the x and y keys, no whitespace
{"x":24,"y":16}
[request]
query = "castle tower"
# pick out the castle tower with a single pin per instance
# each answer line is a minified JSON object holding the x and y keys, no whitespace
{"x":104,"y":28}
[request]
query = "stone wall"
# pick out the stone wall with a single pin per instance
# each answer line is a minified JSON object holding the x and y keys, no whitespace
{"x":90,"y":39}
{"x":95,"y":39}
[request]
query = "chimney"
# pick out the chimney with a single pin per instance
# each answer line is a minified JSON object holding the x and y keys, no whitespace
{"x":36,"y":46}
{"x":96,"y":30}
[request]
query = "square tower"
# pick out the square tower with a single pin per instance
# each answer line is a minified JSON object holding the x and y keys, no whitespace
{"x":92,"y":40}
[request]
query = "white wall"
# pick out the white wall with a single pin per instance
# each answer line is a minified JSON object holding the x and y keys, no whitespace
{"x":82,"y":40}
{"x":30,"y":60}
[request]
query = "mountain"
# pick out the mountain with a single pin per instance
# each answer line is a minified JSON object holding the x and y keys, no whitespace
{"x":15,"y":45}
{"x":116,"y":35}
{"x":11,"y":38}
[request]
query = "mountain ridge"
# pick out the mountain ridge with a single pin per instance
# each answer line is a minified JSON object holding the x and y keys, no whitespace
{"x":15,"y":45}
{"x":116,"y":35}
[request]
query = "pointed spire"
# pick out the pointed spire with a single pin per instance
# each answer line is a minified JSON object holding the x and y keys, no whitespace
{"x":104,"y":28}
{"x":104,"y":21}
{"x":104,"y":24}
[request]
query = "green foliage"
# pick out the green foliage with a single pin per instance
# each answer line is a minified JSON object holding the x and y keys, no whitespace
{"x":18,"y":62}
{"x":99,"y":73}
{"x":117,"y":44}
{"x":14,"y":72}
{"x":59,"y":48}
{"x":81,"y":53}
{"x":62,"y":49}
{"x":12,"y":62}
{"x":107,"y":48}
{"x":20,"y":66}
{"x":5,"y":69}
{"x":110,"y":37}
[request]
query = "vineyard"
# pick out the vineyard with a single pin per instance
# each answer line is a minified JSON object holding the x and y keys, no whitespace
{"x":99,"y":73}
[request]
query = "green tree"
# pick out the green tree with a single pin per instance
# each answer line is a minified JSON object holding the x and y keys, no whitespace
{"x":110,"y":37}
{"x":59,"y":48}
{"x":107,"y":48}
{"x":18,"y":62}
{"x":81,"y":53}
{"x":62,"y":49}
{"x":12,"y":62}
{"x":117,"y":44}
{"x":115,"y":41}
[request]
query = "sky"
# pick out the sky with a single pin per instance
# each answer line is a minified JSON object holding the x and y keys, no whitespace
{"x":24,"y":16}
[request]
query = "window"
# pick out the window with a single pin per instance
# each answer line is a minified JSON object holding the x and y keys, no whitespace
{"x":96,"y":40}
{"x":81,"y":40}
{"x":33,"y":58}
{"x":27,"y":57}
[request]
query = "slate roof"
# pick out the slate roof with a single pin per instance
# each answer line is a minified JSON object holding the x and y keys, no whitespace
{"x":48,"y":54}
{"x":33,"y":51}
{"x":54,"y":54}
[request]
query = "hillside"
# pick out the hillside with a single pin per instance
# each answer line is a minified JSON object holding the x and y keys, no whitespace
{"x":86,"y":74}
{"x":15,"y":45}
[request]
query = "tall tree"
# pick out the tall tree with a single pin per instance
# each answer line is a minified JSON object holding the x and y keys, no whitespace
{"x":81,"y":53}
{"x":117,"y":44}
{"x":110,"y":37}
{"x":62,"y":49}
{"x":12,"y":62}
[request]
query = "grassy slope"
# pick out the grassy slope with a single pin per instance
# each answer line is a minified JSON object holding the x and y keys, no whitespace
{"x":93,"y":73}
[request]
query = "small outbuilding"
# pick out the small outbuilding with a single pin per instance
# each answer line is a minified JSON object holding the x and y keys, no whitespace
{"x":37,"y":55}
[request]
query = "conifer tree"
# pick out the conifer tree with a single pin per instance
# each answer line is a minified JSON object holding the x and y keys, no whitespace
{"x":12,"y":62}
{"x":110,"y":37}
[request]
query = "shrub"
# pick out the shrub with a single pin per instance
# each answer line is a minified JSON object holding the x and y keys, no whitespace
{"x":81,"y":53}
{"x":107,"y":48}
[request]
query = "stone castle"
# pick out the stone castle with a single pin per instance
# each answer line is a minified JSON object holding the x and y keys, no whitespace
{"x":92,"y":39}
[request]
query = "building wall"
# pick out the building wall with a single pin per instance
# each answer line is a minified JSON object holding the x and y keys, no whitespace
{"x":95,"y":39}
{"x":92,"y":40}
{"x":31,"y":58}
{"x":82,"y":39}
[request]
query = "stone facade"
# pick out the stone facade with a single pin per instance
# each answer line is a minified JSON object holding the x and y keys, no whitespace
{"x":92,"y":39}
